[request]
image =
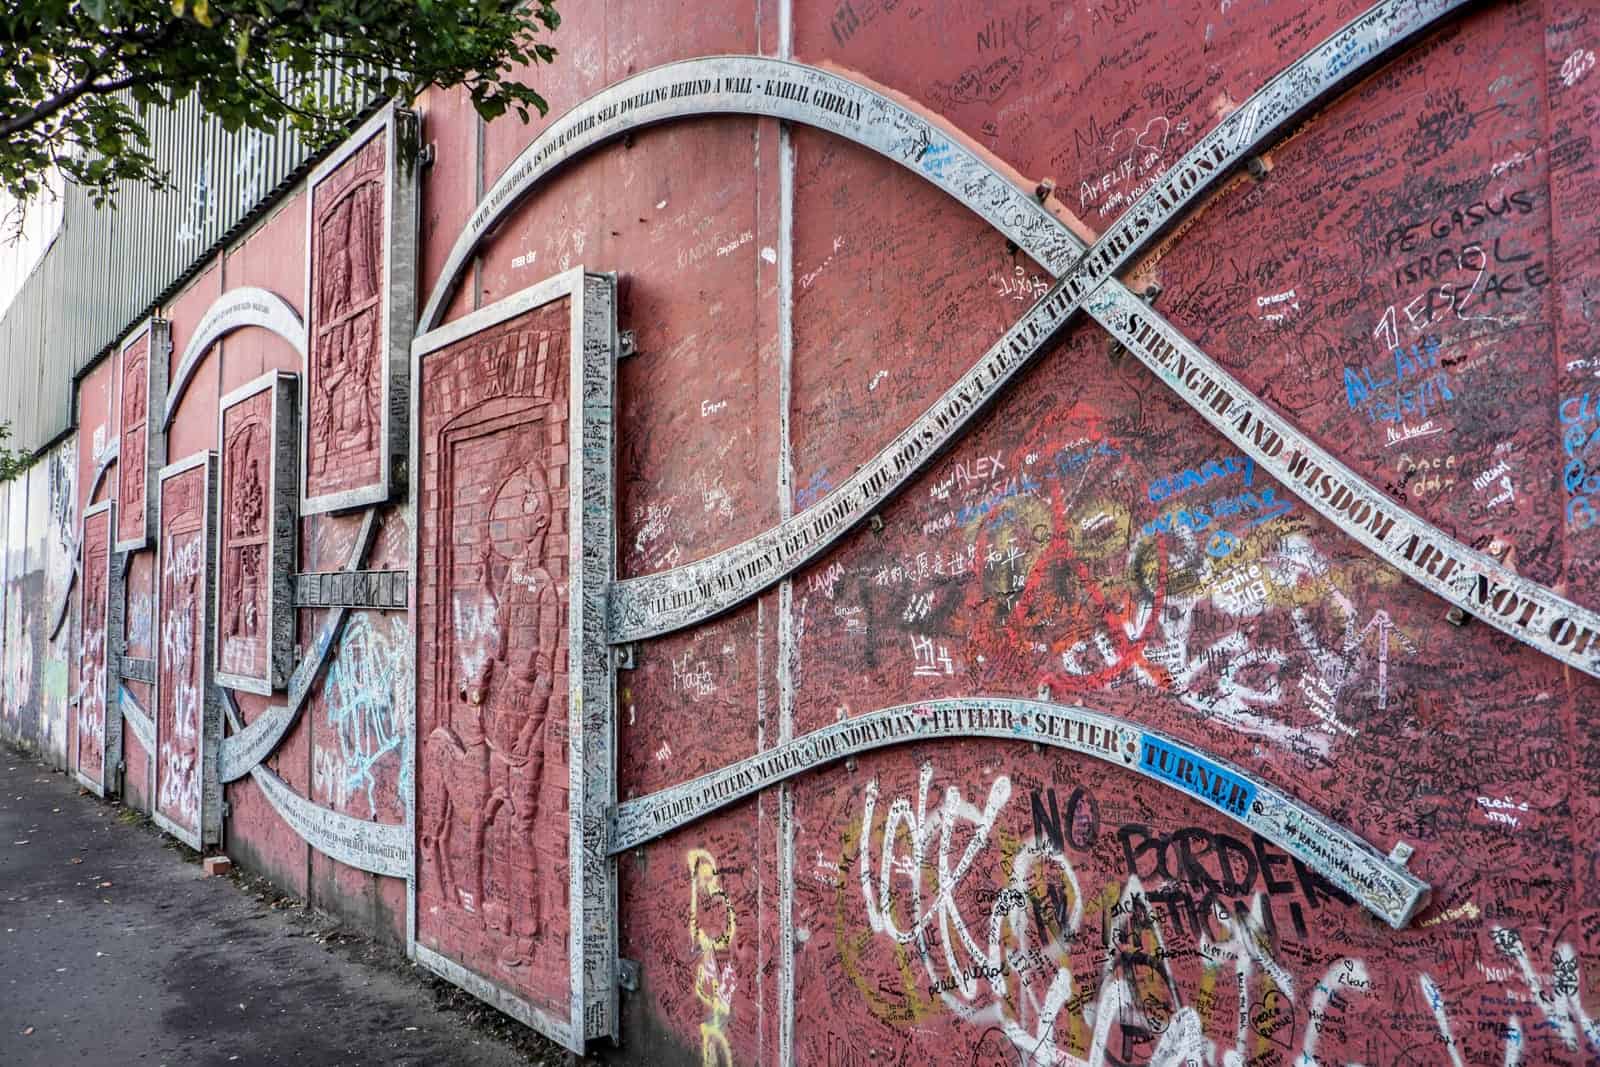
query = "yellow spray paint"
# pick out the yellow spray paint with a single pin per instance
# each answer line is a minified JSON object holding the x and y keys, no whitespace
{"x":714,"y":979}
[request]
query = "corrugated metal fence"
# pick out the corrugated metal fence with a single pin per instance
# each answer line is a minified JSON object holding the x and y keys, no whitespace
{"x":108,"y":268}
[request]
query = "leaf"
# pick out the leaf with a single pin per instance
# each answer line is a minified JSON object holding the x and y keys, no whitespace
{"x":179,"y":7}
{"x":202,"y":12}
{"x":241,"y":47}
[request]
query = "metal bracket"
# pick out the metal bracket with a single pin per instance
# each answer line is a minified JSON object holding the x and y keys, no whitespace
{"x":1457,"y":617}
{"x":1258,"y":168}
{"x":1401,"y":853}
{"x":875,"y":521}
{"x":627,"y":344}
{"x":628,"y":974}
{"x":427,"y":155}
{"x":622,"y":656}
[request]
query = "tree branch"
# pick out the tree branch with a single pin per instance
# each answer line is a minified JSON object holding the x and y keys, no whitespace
{"x":49,"y":107}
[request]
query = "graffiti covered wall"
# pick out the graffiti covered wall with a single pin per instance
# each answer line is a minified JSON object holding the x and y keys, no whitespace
{"x":1104,"y":537}
{"x":39,"y":573}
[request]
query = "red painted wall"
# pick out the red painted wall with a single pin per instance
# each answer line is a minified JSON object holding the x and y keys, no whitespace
{"x":1412,"y":284}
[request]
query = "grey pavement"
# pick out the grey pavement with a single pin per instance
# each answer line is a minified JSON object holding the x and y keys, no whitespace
{"x":116,"y":949}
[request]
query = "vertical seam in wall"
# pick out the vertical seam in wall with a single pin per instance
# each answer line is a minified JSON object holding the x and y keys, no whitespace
{"x":761,"y":640}
{"x":1553,"y":314}
{"x":786,"y":650}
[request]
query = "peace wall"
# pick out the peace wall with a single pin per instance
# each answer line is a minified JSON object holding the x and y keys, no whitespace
{"x":884,"y":532}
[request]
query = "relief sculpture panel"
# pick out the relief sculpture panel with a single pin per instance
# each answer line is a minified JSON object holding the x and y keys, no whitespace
{"x":359,"y":309}
{"x":131,"y":460}
{"x":255,"y":552}
{"x":492,"y":785}
{"x":140,"y":387}
{"x":188,"y":725}
{"x":94,"y":647}
{"x":347,"y":323}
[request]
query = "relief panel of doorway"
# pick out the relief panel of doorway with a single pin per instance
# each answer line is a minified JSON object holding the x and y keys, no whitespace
{"x":97,"y":739}
{"x":501,"y":844}
{"x":141,"y":391}
{"x":256,"y":438}
{"x":360,"y":306}
{"x":188,"y":718}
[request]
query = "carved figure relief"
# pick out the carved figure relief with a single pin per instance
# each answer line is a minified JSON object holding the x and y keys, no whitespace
{"x":182,"y":624}
{"x":246,"y":524}
{"x":345,"y":396}
{"x":492,"y":805}
{"x":91,"y":718}
{"x":132,"y":466}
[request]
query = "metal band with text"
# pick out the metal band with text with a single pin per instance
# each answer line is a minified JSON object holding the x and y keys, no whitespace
{"x":659,"y":603}
{"x":1383,"y":887}
{"x":233,"y":310}
{"x":382,"y":848}
{"x":1471,"y":580}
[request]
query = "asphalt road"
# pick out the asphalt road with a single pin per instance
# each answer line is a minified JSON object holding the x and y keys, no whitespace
{"x":115,"y":949}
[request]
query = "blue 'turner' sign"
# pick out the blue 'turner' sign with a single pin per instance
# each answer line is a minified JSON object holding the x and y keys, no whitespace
{"x":1196,"y":775}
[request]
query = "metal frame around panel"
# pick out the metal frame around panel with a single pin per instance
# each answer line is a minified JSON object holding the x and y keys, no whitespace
{"x":157,"y":362}
{"x":399,"y":303}
{"x":283,"y":536}
{"x":233,"y":310}
{"x":110,"y":669}
{"x":1382,"y":885}
{"x":591,"y":698}
{"x":209,"y":830}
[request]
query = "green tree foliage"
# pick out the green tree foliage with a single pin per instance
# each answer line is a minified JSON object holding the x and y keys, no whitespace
{"x":13,"y":461}
{"x":77,"y":76}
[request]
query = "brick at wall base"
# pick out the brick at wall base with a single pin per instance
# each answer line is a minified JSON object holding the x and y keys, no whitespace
{"x":216,"y":866}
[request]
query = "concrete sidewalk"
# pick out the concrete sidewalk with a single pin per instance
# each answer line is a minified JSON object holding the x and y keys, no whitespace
{"x":114,"y":949}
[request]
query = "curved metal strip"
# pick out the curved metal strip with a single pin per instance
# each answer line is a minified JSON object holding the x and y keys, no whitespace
{"x":107,"y":458}
{"x":65,"y":604}
{"x":660,"y":603}
{"x":249,"y":745}
{"x":233,"y":310}
{"x":382,"y":848}
{"x":1476,"y":583}
{"x":1382,"y":886}
{"x":139,"y":721}
{"x":1366,"y":38}
{"x":771,"y":88}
